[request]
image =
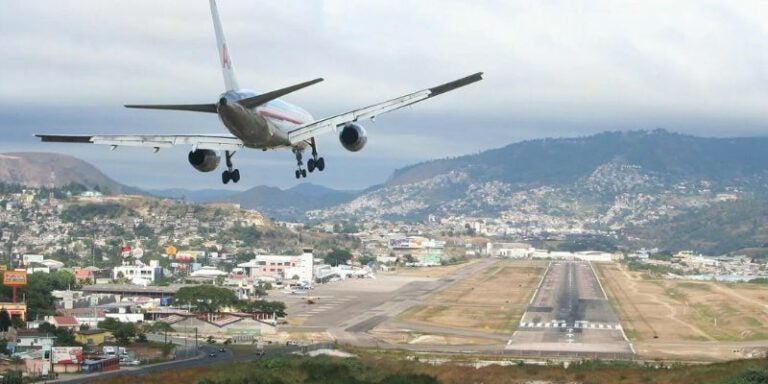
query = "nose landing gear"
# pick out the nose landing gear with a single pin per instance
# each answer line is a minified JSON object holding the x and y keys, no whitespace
{"x":230,"y":174}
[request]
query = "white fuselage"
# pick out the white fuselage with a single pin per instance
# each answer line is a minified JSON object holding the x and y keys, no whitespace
{"x":262,"y":127}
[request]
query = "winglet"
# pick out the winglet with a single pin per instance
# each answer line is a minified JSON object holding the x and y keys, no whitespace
{"x":255,"y":101}
{"x":434,"y":91}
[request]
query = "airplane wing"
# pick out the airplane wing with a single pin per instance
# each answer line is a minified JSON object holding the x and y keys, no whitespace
{"x":307,"y":131}
{"x":213,"y":142}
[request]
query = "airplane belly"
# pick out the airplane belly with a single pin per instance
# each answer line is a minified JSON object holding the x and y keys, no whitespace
{"x":253,"y":129}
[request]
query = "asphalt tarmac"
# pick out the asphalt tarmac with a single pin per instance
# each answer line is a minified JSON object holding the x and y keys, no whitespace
{"x":570,"y":316}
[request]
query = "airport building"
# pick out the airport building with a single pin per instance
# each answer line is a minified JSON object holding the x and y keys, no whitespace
{"x":281,"y":267}
{"x":511,"y":250}
{"x":421,"y":250}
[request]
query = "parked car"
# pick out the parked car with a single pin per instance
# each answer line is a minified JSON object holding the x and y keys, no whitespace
{"x":212,"y":354}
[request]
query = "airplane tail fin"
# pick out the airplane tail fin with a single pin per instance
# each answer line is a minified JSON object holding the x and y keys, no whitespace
{"x":228,"y":69}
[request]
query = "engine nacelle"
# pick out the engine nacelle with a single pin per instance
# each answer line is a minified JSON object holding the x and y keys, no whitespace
{"x":353,"y":137}
{"x":204,"y":160}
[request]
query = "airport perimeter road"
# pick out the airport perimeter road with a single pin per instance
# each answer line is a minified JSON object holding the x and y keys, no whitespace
{"x":570,"y":316}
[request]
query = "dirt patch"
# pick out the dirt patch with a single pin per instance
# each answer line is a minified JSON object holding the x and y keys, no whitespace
{"x":490,"y":300}
{"x":400,"y":337}
{"x":434,"y":272}
{"x":654,"y":310}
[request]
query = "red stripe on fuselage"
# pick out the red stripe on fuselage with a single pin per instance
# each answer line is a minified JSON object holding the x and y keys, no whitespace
{"x":279,"y":117}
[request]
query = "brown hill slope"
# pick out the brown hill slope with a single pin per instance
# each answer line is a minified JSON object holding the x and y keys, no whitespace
{"x":41,"y":169}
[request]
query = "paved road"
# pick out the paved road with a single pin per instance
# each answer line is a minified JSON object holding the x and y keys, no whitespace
{"x":570,"y":314}
{"x":202,"y":358}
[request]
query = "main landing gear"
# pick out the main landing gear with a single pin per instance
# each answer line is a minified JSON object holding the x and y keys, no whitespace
{"x":314,"y":163}
{"x":229,"y":173}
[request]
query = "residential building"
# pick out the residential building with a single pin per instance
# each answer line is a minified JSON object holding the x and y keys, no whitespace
{"x":68,"y":322}
{"x":29,"y":340}
{"x":139,"y":273}
{"x":93,"y":336}
{"x":15,"y":310}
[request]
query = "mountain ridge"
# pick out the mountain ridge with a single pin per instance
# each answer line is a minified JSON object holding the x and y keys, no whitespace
{"x":614,"y":184}
{"x":288,"y":204}
{"x":44,"y":169}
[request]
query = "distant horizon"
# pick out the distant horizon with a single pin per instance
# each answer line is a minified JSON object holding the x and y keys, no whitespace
{"x":318,"y":181}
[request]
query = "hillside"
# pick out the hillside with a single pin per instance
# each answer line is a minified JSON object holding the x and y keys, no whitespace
{"x":40,"y":169}
{"x":674,"y":157}
{"x":607,"y":184}
{"x":288,"y":204}
{"x":196,"y":195}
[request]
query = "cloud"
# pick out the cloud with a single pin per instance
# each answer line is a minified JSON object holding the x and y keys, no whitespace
{"x":553,"y":68}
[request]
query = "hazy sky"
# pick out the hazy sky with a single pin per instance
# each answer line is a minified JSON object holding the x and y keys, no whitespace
{"x":553,"y":68}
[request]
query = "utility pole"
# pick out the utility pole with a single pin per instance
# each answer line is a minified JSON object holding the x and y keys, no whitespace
{"x":93,"y":254}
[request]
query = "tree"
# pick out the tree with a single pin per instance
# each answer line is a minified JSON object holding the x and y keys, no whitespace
{"x":40,"y":302}
{"x":124,"y":332}
{"x":18,"y":323}
{"x":157,"y":327}
{"x":205,"y":298}
{"x":109,"y":324}
{"x":64,"y":337}
{"x":263,"y":306}
{"x":47,"y":327}
{"x":338,"y":256}
{"x":143,"y":230}
{"x":365,"y":260}
{"x":5,"y":320}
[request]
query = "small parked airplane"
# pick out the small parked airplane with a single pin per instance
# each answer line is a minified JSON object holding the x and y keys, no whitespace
{"x":260,"y":121}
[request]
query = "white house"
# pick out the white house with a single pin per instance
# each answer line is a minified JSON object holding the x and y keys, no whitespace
{"x":140,"y":272}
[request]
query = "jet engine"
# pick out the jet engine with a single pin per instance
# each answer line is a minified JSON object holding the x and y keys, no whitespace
{"x":204,"y":160}
{"x":353,"y":137}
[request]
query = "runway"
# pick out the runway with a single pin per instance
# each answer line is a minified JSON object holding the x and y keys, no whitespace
{"x":569,"y":315}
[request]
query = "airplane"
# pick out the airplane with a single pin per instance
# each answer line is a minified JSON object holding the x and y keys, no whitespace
{"x":260,"y":121}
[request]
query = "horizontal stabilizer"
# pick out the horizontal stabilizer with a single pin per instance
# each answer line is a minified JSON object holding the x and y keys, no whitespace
{"x":264,"y":98}
{"x":64,"y":138}
{"x":210,"y":108}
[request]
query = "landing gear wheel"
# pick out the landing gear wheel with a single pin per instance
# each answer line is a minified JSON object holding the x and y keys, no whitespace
{"x":298,"y":174}
{"x":311,"y":165}
{"x":320,"y":164}
{"x":303,"y":173}
{"x":230,"y":174}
